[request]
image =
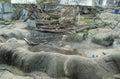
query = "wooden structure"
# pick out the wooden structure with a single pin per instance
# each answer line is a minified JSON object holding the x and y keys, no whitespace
{"x":77,"y":5}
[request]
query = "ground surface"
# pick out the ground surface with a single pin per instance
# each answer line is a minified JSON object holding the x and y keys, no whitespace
{"x":91,"y":55}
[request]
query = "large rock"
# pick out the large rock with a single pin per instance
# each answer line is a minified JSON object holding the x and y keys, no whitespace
{"x":13,"y":33}
{"x":109,"y":17}
{"x":55,"y":65}
{"x":58,"y":65}
{"x":12,"y":40}
{"x":104,"y":39}
{"x":8,"y":75}
{"x":117,"y":76}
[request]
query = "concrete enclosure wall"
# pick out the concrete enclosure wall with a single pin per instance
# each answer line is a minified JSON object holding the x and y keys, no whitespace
{"x":6,"y":11}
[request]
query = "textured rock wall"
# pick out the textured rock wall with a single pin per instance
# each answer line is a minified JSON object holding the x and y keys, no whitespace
{"x":58,"y":65}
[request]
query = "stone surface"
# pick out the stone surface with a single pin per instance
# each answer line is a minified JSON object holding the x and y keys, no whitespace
{"x":8,"y":75}
{"x":12,"y":40}
{"x":109,"y":17}
{"x":117,"y":76}
{"x":31,"y":24}
{"x":104,"y":39}
{"x":13,"y":33}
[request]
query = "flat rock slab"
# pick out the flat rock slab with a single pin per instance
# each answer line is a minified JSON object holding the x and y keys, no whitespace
{"x":8,"y":75}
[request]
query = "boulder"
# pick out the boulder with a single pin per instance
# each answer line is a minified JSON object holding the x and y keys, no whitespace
{"x":117,"y":76}
{"x":8,"y":75}
{"x":104,"y":39}
{"x":58,"y":65}
{"x":13,"y":33}
{"x":12,"y":40}
{"x":109,"y":17}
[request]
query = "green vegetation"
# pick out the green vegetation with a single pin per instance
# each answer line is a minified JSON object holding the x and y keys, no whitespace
{"x":86,"y":19}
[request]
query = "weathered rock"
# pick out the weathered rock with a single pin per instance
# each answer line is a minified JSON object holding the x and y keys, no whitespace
{"x":104,"y":39}
{"x":57,"y":65}
{"x":19,"y":25}
{"x":2,"y":39}
{"x":12,"y":40}
{"x":31,"y":24}
{"x":109,"y":17}
{"x":13,"y":33}
{"x":117,"y":76}
{"x":52,"y":64}
{"x":8,"y":75}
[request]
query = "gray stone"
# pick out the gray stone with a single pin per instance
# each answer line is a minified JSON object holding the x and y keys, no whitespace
{"x":9,"y":75}
{"x":117,"y":76}
{"x":20,"y":77}
{"x":31,"y":24}
{"x":13,"y":33}
{"x":58,"y":65}
{"x":104,"y":39}
{"x":6,"y":75}
{"x":12,"y":40}
{"x":109,"y":17}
